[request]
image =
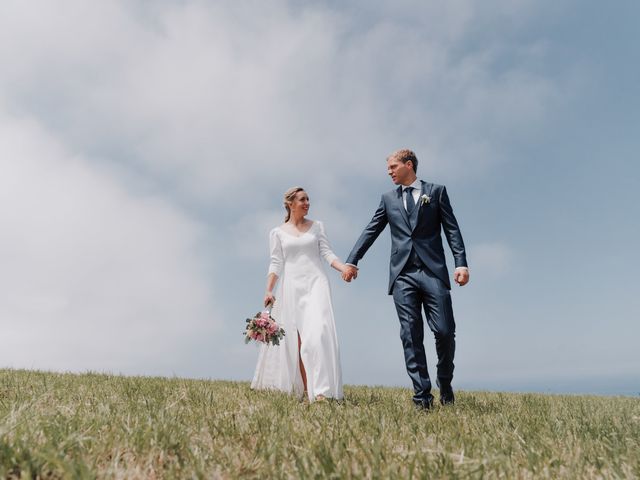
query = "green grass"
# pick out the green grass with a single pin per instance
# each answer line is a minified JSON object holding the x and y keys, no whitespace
{"x":90,"y":425}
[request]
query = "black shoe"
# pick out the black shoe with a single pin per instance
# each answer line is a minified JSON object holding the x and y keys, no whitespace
{"x":423,"y":405}
{"x":446,"y":394}
{"x":447,"y":398}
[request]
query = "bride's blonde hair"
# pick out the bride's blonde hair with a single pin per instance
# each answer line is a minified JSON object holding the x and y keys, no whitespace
{"x":290,"y":196}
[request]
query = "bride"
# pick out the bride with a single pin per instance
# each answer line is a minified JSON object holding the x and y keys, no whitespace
{"x":307,"y":361}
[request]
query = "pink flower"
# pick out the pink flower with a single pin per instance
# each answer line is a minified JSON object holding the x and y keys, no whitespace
{"x":263,"y":328}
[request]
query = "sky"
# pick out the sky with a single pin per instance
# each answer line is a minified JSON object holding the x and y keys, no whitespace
{"x":145,"y":148}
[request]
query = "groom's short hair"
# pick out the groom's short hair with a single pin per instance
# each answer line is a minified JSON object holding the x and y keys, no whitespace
{"x":404,"y":156}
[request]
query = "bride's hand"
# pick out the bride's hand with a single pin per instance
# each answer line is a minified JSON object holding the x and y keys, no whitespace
{"x":269,"y":299}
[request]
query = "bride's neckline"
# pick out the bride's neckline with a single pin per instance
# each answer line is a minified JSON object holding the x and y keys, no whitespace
{"x":301,"y":234}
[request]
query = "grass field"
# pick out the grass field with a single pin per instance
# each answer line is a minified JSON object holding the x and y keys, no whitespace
{"x":90,"y":425}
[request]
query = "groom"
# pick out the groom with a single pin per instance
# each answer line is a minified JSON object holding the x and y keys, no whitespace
{"x":416,"y":212}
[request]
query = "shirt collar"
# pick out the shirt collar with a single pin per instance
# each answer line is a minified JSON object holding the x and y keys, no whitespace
{"x":417,"y":185}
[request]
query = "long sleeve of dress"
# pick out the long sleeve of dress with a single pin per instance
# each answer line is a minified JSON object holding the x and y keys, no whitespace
{"x":277,"y":257}
{"x":325,"y":248}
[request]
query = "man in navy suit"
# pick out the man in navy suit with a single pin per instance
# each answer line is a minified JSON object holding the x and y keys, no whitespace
{"x":416,"y":212}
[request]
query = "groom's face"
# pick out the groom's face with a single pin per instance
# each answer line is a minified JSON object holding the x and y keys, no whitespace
{"x":400,"y":173}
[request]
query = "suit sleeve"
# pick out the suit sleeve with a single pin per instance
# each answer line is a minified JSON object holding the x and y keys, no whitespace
{"x":369,"y":235}
{"x":452,"y":230}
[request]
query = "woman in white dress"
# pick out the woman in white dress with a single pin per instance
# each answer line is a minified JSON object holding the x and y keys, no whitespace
{"x":307,"y":361}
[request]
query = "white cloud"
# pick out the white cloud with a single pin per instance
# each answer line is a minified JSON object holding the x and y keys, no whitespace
{"x":92,"y":276}
{"x":199,"y":94}
{"x":492,"y":259}
{"x":252,"y":234}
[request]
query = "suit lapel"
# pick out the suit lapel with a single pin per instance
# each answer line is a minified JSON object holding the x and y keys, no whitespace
{"x":413,"y":218}
{"x":400,"y":204}
{"x":415,"y":215}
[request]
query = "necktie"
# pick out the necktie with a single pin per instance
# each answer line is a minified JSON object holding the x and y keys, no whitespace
{"x":411,"y":204}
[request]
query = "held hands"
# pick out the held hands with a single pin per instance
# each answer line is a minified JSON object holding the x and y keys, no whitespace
{"x":461,"y":276}
{"x":349,"y":272}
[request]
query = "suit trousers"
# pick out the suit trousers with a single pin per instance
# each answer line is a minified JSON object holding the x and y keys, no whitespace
{"x":417,"y":288}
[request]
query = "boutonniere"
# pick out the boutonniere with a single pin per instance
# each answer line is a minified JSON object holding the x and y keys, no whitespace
{"x":425,"y":200}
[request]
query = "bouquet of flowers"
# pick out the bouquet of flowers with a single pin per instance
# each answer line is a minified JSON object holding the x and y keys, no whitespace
{"x":263,"y":328}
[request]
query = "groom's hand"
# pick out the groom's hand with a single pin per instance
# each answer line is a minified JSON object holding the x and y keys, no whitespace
{"x":461,"y":276}
{"x":350,"y":272}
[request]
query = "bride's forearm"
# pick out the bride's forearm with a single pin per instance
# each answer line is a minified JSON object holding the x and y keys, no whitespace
{"x":338,"y":265}
{"x":272,"y":278}
{"x":269,"y":298}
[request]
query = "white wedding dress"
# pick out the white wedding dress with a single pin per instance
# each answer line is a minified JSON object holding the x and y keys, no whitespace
{"x":303,"y":306}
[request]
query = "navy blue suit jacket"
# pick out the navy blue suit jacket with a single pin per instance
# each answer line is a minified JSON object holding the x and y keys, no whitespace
{"x":421,"y":231}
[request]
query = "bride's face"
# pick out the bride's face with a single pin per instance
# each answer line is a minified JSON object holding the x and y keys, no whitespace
{"x":300,"y":204}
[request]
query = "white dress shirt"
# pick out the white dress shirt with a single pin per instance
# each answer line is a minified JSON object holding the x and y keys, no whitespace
{"x":417,"y":190}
